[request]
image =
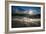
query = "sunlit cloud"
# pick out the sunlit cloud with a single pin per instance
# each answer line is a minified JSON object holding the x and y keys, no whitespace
{"x":26,"y":10}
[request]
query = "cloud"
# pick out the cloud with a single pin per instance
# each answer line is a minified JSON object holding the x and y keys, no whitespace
{"x":26,"y":10}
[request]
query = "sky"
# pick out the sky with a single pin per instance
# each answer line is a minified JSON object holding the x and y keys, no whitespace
{"x":35,"y":10}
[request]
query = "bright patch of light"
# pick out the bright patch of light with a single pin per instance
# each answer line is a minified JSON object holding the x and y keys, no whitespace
{"x":30,"y":12}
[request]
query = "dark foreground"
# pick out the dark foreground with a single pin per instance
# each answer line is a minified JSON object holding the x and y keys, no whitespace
{"x":17,"y":24}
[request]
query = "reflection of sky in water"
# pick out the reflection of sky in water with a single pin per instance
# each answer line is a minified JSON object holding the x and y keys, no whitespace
{"x":35,"y":10}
